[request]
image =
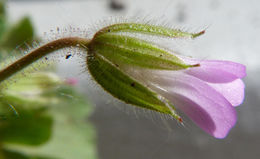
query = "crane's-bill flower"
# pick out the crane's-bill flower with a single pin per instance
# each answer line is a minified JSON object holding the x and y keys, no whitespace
{"x":210,"y":104}
{"x":142,"y":74}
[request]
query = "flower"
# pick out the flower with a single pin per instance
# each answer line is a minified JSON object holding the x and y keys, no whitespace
{"x":141,"y":73}
{"x":207,"y":94}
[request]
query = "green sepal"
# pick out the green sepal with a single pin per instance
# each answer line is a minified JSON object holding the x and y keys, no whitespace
{"x":148,"y":29}
{"x":124,"y":50}
{"x":124,"y":87}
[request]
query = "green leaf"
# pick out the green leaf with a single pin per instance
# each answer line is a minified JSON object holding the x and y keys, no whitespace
{"x":30,"y":127}
{"x":72,"y":135}
{"x":2,"y":8}
{"x":24,"y":119}
{"x":125,"y":50}
{"x":69,"y":125}
{"x":124,"y":87}
{"x":147,"y":29}
{"x":8,"y":154}
{"x":19,"y":34}
{"x":2,"y":18}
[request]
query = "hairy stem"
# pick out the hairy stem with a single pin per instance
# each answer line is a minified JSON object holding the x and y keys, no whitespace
{"x":41,"y":52}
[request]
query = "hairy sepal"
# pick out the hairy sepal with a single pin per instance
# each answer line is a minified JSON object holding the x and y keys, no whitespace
{"x":148,"y":29}
{"x":124,"y":50}
{"x":124,"y":87}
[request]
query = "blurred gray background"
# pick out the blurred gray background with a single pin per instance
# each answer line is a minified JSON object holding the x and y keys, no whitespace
{"x":233,"y":29}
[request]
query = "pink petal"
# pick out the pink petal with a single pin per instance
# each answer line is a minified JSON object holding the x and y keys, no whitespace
{"x":233,"y":91}
{"x":215,"y":71}
{"x":203,"y":104}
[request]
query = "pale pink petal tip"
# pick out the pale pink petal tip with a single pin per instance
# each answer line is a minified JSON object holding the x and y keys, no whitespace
{"x":215,"y":71}
{"x":233,"y":91}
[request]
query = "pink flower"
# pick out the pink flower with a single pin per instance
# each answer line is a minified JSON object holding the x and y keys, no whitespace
{"x":206,"y":94}
{"x":143,"y":74}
